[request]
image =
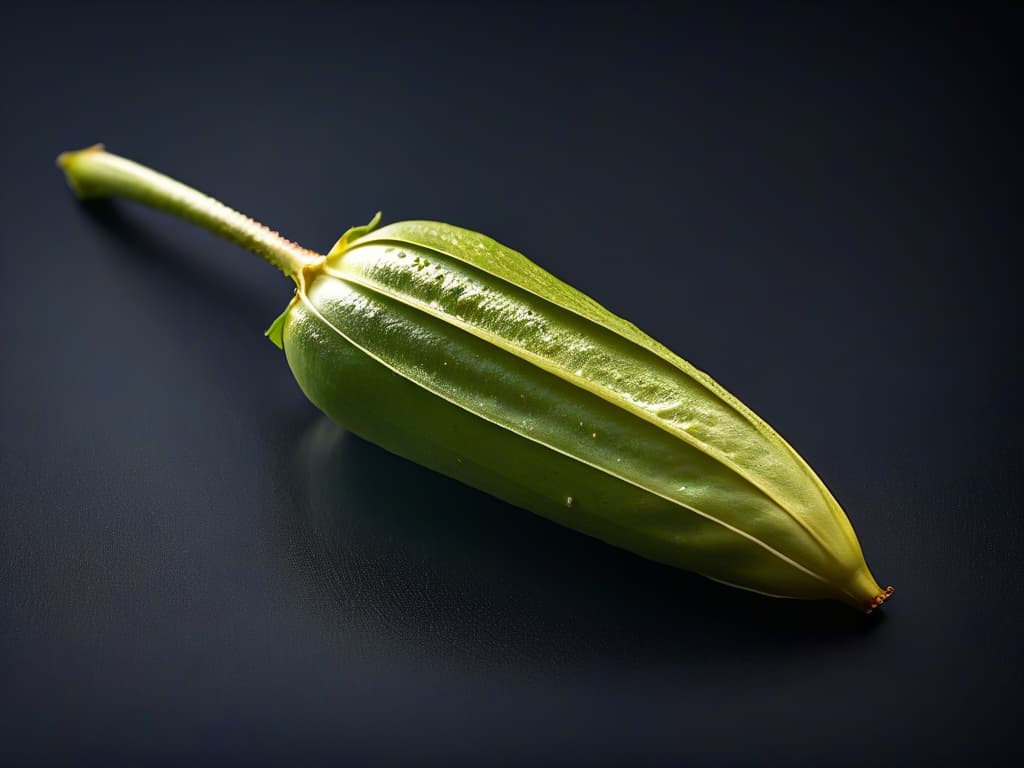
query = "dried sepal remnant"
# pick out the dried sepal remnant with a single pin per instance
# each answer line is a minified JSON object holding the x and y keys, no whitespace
{"x":439,"y":343}
{"x":879,"y":599}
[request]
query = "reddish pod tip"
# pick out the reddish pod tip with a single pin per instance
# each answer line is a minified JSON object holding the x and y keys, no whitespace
{"x":879,"y":599}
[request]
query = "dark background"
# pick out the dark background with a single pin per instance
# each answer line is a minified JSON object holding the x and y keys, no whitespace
{"x":818,"y":205}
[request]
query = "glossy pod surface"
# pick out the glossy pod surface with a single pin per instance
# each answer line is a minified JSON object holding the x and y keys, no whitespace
{"x":449,"y":349}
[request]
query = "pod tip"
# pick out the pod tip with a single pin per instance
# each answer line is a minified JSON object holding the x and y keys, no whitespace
{"x":879,"y":599}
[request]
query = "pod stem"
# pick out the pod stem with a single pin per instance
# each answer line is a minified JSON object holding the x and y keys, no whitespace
{"x":95,"y":173}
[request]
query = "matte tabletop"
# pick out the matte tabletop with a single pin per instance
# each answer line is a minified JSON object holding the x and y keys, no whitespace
{"x":818,"y":206}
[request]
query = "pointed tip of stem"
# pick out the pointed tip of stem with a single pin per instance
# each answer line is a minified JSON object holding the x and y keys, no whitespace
{"x":66,"y":162}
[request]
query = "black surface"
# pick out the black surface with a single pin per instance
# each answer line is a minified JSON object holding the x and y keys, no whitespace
{"x":821,"y":207}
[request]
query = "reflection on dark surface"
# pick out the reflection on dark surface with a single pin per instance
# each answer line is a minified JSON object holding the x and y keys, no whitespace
{"x":418,"y":560}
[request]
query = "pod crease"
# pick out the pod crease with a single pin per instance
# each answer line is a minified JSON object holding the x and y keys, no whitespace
{"x":617,"y":325}
{"x":586,"y":308}
{"x":583,"y":383}
{"x":605,"y":470}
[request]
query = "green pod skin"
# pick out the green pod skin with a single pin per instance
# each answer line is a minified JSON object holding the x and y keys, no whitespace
{"x":449,"y":349}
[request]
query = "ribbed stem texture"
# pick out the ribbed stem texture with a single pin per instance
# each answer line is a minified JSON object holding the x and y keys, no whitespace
{"x":94,"y":172}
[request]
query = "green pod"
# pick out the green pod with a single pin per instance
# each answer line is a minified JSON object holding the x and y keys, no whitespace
{"x":445,"y":347}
